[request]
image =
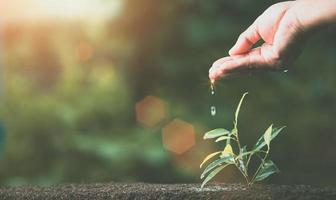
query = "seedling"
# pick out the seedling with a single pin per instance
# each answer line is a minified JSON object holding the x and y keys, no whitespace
{"x":241,"y":157}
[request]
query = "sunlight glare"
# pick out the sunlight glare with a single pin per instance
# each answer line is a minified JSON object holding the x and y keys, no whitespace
{"x":20,"y":10}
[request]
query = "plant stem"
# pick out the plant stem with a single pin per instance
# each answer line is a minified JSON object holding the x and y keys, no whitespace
{"x":248,"y":161}
{"x":262,"y":163}
{"x":246,"y":179}
{"x":245,"y":175}
{"x":241,"y":171}
{"x":250,"y":156}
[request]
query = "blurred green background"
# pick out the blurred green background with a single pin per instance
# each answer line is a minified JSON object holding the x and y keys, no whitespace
{"x":99,"y":91}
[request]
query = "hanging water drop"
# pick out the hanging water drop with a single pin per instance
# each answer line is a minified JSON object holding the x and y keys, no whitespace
{"x":212,"y":92}
{"x":212,"y":89}
{"x":213,"y":110}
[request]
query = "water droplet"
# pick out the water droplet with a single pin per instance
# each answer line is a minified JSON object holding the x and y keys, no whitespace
{"x":212,"y":92}
{"x":285,"y":71}
{"x":212,"y":89}
{"x":213,"y":110}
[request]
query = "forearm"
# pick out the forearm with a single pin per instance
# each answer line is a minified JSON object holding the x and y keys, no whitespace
{"x":315,"y":13}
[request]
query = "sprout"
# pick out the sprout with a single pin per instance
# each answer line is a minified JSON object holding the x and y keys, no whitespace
{"x":241,"y":157}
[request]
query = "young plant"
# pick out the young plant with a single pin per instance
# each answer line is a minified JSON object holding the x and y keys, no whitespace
{"x":242,"y":157}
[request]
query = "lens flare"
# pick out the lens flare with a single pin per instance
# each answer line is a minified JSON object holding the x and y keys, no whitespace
{"x":150,"y":111}
{"x":178,"y":136}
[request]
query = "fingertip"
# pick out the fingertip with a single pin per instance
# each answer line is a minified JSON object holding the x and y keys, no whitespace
{"x":213,"y":75}
{"x":242,"y":46}
{"x":211,"y":69}
{"x":235,"y":50}
{"x":215,"y":71}
{"x":231,"y":51}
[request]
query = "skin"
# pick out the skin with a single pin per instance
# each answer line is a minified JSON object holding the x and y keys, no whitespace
{"x":283,"y":28}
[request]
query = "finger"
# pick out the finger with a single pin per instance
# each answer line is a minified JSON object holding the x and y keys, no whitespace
{"x":250,"y":60}
{"x":217,"y":64}
{"x":221,"y":60}
{"x":246,"y":40}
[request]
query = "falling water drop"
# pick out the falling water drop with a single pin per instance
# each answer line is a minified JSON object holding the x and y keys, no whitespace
{"x":212,"y":91}
{"x":213,"y":110}
{"x":212,"y":88}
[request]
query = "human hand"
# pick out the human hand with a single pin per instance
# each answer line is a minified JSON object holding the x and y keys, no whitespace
{"x":283,"y":27}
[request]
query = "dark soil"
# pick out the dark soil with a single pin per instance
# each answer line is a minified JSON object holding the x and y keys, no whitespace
{"x":174,"y":191}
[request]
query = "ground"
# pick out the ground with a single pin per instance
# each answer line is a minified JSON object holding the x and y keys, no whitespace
{"x":145,"y":191}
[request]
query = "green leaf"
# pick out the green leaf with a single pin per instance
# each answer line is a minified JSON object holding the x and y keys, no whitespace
{"x":261,"y":141}
{"x":209,"y":157}
{"x":238,"y":109}
{"x":216,"y":133}
{"x":267,"y":168}
{"x":222,"y":138}
{"x":268,"y":135}
{"x":216,"y":163}
{"x":234,"y":132}
{"x":230,"y":157}
{"x":228,"y":150}
{"x":212,"y":174}
{"x":244,"y":154}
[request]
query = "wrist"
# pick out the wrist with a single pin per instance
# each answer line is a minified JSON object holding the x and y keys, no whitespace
{"x":312,"y":14}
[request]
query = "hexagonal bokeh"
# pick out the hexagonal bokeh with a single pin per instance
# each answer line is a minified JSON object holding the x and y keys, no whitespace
{"x":150,"y":111}
{"x":178,"y":136}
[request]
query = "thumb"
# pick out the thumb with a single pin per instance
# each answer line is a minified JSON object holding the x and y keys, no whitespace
{"x":246,"y":40}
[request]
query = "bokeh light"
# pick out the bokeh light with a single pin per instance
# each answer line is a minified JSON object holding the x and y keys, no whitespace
{"x":178,"y":136}
{"x":84,"y":51}
{"x":25,"y":10}
{"x":150,"y":111}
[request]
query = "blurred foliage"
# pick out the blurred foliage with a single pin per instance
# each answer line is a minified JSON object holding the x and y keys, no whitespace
{"x":70,"y":89}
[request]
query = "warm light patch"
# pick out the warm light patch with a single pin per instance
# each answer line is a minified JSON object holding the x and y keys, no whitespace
{"x":105,"y":76}
{"x":178,"y":136}
{"x":84,"y":51}
{"x":150,"y":111}
{"x":23,"y":10}
{"x":189,"y":161}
